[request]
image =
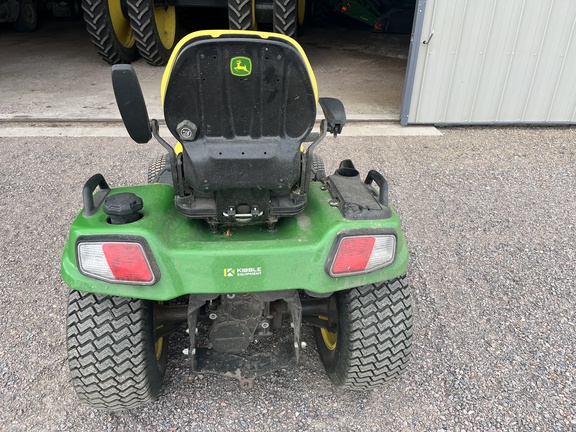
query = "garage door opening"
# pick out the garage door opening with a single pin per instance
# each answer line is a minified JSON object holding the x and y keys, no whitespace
{"x":55,"y":73}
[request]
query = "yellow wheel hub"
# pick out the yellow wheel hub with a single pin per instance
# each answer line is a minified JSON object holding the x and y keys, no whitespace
{"x":158,"y":346}
{"x":301,"y":11}
{"x":330,"y":339}
{"x":120,"y":24}
{"x":254,"y":23}
{"x":166,"y":25}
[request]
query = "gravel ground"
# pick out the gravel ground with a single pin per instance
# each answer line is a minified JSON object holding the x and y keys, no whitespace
{"x":489,"y":216}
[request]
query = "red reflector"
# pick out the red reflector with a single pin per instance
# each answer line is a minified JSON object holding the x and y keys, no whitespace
{"x":353,"y":254}
{"x":127,"y":262}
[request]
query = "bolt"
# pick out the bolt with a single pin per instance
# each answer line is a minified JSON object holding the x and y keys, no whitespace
{"x":185,"y":351}
{"x":185,"y":133}
{"x":187,"y":130}
{"x":334,"y":203}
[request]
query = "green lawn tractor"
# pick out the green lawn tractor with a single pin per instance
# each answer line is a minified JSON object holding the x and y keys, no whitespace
{"x":240,"y":237}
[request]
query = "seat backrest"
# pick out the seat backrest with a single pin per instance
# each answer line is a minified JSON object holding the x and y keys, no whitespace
{"x":234,"y":84}
{"x":250,"y":100}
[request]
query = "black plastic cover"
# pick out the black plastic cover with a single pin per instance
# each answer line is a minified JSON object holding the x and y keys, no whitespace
{"x":274,"y":99}
{"x":356,"y":199}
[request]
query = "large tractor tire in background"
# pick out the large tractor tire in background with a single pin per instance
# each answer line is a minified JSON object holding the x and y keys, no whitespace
{"x":154,"y":28}
{"x":241,"y":14}
{"x":110,"y":30}
{"x":291,"y":16}
{"x":27,"y":20}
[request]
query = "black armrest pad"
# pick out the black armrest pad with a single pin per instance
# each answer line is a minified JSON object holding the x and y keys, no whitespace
{"x":131,"y":103}
{"x":334,"y":114}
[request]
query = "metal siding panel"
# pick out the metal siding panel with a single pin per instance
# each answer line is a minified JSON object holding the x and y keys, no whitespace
{"x":412,"y":61}
{"x":563,"y":103}
{"x":498,"y":58}
{"x":431,"y":97}
{"x":549,"y":73}
{"x":469,"y":61}
{"x":496,"y":62}
{"x":524,"y":61}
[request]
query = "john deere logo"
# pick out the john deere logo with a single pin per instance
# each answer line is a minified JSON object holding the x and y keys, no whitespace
{"x":241,"y":66}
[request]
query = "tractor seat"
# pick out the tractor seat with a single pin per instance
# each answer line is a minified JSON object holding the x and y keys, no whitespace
{"x":240,"y":104}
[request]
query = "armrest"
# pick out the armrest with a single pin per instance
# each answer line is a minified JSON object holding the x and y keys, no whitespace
{"x":131,"y":102}
{"x":334,"y":113}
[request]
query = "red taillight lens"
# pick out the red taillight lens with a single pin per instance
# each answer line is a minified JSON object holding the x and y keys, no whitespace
{"x":127,"y":262}
{"x":120,"y":262}
{"x":353,"y":254}
{"x":362,"y":254}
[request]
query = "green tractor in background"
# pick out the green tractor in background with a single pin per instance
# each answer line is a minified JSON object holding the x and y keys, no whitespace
{"x":389,"y":16}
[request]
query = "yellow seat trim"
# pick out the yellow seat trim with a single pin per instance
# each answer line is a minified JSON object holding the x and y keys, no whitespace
{"x":239,"y":33}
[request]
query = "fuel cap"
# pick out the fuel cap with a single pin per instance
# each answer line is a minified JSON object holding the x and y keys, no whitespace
{"x":123,"y":208}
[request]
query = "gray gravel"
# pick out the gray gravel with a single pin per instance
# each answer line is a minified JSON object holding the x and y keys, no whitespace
{"x":489,"y":215}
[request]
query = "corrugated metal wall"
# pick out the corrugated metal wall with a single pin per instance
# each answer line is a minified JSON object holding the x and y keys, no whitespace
{"x":494,"y":61}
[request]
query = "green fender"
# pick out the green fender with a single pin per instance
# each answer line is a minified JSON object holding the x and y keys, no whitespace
{"x":190,"y":259}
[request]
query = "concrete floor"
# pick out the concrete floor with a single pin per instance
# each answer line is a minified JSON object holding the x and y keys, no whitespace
{"x":56,"y":74}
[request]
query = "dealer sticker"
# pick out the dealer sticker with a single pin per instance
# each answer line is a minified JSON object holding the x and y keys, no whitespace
{"x":243,"y":271}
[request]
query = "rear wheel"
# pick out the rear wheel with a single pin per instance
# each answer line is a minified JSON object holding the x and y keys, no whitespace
{"x":27,"y":20}
{"x":285,"y":20}
{"x":156,"y":168}
{"x":304,"y":15}
{"x":154,"y":28}
{"x":115,"y":359}
{"x":318,"y":168}
{"x":241,"y":14}
{"x":373,"y":340}
{"x":110,"y":30}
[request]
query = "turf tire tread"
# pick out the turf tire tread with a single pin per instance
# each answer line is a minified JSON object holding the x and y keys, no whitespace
{"x":376,"y":341}
{"x":109,"y":355}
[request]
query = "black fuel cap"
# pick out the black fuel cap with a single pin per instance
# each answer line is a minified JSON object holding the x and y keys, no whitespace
{"x":123,"y":208}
